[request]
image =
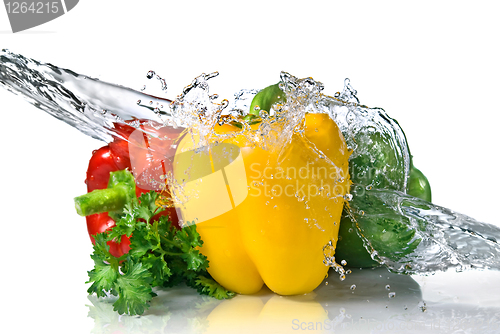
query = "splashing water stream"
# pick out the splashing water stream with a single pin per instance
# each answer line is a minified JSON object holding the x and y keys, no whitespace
{"x":444,"y":239}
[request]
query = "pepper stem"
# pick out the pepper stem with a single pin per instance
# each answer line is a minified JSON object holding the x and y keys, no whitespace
{"x":120,"y":191}
{"x":265,"y":99}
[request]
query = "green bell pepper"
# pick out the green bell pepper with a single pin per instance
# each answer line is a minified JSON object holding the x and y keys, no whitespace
{"x":418,"y":185}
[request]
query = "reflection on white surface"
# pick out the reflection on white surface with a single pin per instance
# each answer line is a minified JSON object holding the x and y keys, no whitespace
{"x":368,"y":301}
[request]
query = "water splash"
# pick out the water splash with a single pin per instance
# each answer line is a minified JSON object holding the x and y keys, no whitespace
{"x":242,"y":100}
{"x":89,"y":105}
{"x":196,"y":108}
{"x":430,"y":238}
{"x":370,"y":133}
{"x":437,"y":238}
{"x":442,"y":239}
{"x":163,"y":83}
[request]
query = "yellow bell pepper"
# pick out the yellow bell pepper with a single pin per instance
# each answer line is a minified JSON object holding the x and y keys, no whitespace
{"x":290,"y":207}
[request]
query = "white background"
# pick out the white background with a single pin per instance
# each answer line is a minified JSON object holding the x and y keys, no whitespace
{"x":433,"y":66}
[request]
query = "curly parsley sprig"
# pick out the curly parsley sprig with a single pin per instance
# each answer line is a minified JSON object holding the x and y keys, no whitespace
{"x":161,"y":255}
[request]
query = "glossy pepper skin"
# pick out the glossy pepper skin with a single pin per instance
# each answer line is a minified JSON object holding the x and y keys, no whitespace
{"x":395,"y":237}
{"x":391,"y":232}
{"x":418,"y":185}
{"x":102,"y":162}
{"x":111,"y":158}
{"x":277,"y":237}
{"x":350,"y":245}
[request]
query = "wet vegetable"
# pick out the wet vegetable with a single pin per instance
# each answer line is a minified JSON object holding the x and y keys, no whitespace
{"x":377,"y":163}
{"x":389,"y":234}
{"x":160,"y":252}
{"x":418,"y":185}
{"x":276,"y":234}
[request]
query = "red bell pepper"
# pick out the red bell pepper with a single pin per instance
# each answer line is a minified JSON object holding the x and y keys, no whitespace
{"x":114,"y":157}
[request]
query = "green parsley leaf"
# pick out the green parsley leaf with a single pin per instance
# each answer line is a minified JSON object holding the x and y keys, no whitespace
{"x":148,"y":207}
{"x":134,"y":290}
{"x":189,"y":239}
{"x":105,"y":272}
{"x":160,"y":255}
{"x":158,"y":268}
{"x":208,"y":286}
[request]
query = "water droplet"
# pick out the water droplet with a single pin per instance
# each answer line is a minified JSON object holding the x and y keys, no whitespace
{"x":264,"y":129}
{"x":163,"y":84}
{"x":138,"y":101}
{"x":150,"y":74}
{"x":343,"y":262}
{"x":392,"y":294}
{"x":353,"y":287}
{"x":350,"y":117}
{"x":143,"y":88}
{"x":388,"y":287}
